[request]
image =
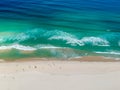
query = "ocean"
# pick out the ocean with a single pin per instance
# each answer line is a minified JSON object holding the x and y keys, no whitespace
{"x":59,"y":28}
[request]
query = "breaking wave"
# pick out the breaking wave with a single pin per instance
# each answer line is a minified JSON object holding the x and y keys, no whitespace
{"x":17,"y":46}
{"x":73,"y":40}
{"x":49,"y":35}
{"x":27,"y":48}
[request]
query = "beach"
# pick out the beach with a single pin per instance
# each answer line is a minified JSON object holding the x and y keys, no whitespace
{"x":43,"y":74}
{"x":59,"y":44}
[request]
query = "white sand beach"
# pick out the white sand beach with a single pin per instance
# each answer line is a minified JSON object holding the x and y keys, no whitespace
{"x":59,"y":75}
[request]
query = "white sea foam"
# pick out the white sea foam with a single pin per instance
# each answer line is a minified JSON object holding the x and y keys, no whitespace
{"x":17,"y":46}
{"x":96,"y":41}
{"x":73,"y":40}
{"x":28,"y":48}
{"x":21,"y":36}
{"x":112,"y":53}
{"x":70,"y":40}
{"x":54,"y":35}
{"x":14,"y":37}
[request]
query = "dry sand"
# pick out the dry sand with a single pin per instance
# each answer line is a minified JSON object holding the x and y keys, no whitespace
{"x":59,"y":75}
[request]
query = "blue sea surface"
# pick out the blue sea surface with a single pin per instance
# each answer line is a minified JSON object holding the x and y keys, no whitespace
{"x":59,"y":28}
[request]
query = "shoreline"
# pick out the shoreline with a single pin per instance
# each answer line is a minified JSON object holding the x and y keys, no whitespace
{"x":81,"y":59}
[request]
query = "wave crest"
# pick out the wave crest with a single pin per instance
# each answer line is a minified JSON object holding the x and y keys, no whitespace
{"x":96,"y":41}
{"x":73,"y":40}
{"x":17,"y":46}
{"x":28,"y":48}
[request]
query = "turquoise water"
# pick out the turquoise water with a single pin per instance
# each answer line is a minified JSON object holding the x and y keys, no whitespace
{"x":59,"y":28}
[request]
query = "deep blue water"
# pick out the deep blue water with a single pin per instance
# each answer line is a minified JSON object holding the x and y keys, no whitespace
{"x":59,"y":28}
